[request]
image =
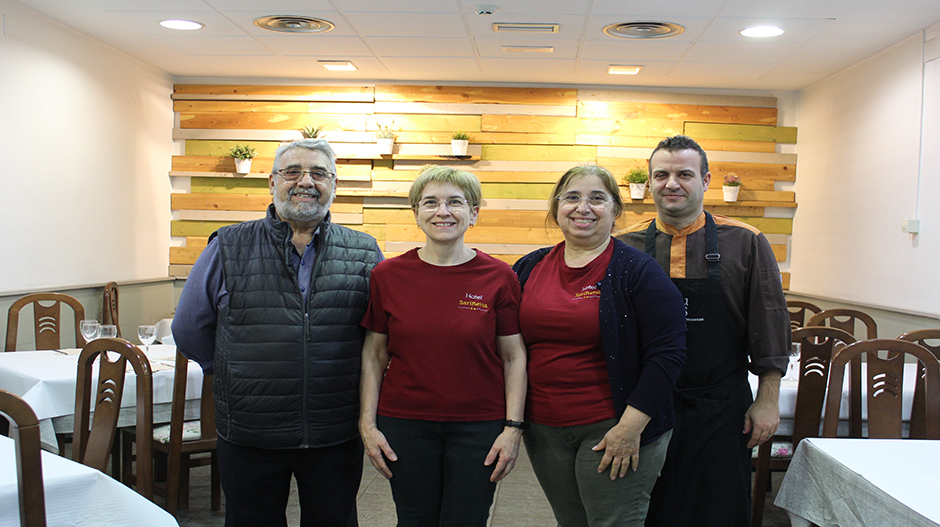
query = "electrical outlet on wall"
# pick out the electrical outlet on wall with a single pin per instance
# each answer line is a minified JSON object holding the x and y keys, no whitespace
{"x":910,"y":226}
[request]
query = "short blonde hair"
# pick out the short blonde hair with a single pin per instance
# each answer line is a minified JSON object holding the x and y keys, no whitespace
{"x":461,"y":179}
{"x":579,"y":172}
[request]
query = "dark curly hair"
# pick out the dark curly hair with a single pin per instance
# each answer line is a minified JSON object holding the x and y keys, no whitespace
{"x":681,"y":142}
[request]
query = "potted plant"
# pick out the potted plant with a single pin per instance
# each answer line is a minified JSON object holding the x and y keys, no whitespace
{"x":385,"y":138}
{"x":311,"y":131}
{"x":242,"y":155}
{"x":637,"y":177}
{"x":459,"y":142}
{"x":731,"y":186}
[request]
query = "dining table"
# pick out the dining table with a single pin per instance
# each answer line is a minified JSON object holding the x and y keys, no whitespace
{"x":46,"y":381}
{"x":78,"y":495}
{"x":862,"y":483}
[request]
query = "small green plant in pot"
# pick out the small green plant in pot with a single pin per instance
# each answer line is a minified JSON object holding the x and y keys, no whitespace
{"x":385,"y":138}
{"x":730,"y":187}
{"x":459,"y":142}
{"x":637,"y":177}
{"x":243,"y":155}
{"x":311,"y":131}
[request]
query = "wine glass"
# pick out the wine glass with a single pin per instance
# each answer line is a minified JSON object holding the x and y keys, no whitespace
{"x":90,"y":329}
{"x":147,"y":334}
{"x":793,"y":368}
{"x":108,"y":331}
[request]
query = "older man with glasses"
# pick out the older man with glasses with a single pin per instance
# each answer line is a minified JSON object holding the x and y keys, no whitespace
{"x":272,"y":308}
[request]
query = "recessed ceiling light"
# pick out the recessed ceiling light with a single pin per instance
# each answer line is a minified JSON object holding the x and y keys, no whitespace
{"x":338,"y":65}
{"x":294,"y":24}
{"x":530,"y":49}
{"x":762,"y":31}
{"x":182,"y":25}
{"x":525,"y":27}
{"x":623,"y":70}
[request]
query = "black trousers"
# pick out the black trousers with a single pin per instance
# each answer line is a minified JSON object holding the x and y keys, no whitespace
{"x":256,"y":482}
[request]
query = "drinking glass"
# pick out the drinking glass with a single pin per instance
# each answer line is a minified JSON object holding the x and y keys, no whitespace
{"x":108,"y":331}
{"x":89,"y":329}
{"x":147,"y":334}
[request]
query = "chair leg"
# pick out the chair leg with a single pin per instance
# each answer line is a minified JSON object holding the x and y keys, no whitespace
{"x":216,"y":483}
{"x":116,"y":460}
{"x":127,"y":475}
{"x":761,"y":482}
{"x":184,"y":482}
{"x":172,"y":486}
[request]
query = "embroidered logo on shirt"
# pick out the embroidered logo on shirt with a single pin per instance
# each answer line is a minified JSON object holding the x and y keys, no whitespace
{"x":589,"y":291}
{"x":473,"y":302}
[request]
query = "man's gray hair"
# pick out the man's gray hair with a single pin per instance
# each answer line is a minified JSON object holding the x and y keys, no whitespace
{"x":319,"y":145}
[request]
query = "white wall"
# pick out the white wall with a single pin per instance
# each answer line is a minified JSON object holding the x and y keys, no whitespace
{"x":861,"y":172}
{"x":85,"y":150}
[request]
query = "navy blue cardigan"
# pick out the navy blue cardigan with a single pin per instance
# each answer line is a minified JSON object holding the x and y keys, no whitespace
{"x":642,"y":321}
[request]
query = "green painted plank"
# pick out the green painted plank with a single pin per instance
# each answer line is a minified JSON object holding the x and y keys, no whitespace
{"x":226,"y":185}
{"x":221,"y":148}
{"x":740,"y":132}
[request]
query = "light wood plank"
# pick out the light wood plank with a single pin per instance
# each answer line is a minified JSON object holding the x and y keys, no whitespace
{"x":496,"y":235}
{"x":675,"y":98}
{"x":268,"y":121}
{"x":179,"y":271}
{"x":577,"y":125}
{"x":506,"y":138}
{"x":677,"y":112}
{"x":574,"y":154}
{"x":425,"y":123}
{"x":770,"y":225}
{"x":492,"y":249}
{"x":780,"y":252}
{"x":313,"y":108}
{"x":741,"y":132}
{"x":785,"y":280}
{"x":474,"y":109}
{"x":274,"y":93}
{"x":651,"y":142}
{"x":475,"y":95}
{"x":736,"y":157}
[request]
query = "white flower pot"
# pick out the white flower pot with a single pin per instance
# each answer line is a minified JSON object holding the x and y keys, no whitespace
{"x":637,"y":190}
{"x":459,"y":146}
{"x":730,"y":193}
{"x":385,"y":145}
{"x":243,"y":166}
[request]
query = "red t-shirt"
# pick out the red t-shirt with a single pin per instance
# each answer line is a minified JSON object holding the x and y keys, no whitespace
{"x":442,"y":323}
{"x":568,"y":383}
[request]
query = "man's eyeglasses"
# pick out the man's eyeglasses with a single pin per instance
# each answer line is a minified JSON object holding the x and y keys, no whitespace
{"x":452,"y":204}
{"x":293,"y":174}
{"x":594,"y":200}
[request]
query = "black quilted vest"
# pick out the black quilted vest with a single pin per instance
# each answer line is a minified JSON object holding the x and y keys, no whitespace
{"x":287,"y":375}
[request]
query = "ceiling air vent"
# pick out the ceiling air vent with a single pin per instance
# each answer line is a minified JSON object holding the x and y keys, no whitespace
{"x":294,"y":24}
{"x":526,"y":27}
{"x":644,"y":30}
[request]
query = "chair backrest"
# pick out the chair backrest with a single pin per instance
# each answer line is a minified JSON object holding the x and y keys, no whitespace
{"x":28,"y":459}
{"x":109,"y":309}
{"x":930,"y":340}
{"x":92,"y":445}
{"x":800,"y":313}
{"x":818,"y":345}
{"x":884,"y":381}
{"x":848,"y":320}
{"x":47,"y":320}
{"x":178,"y":410}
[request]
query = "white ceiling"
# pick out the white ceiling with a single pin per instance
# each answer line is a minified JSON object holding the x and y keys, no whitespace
{"x":446,"y":41}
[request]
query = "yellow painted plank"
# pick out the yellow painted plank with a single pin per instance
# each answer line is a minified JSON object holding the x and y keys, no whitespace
{"x":313,"y":108}
{"x":780,"y":252}
{"x":590,"y":126}
{"x":197,"y":241}
{"x":185,"y":255}
{"x":576,"y":154}
{"x":196,"y":228}
{"x":507,"y":138}
{"x":269,"y":121}
{"x":377,"y":231}
{"x":678,"y":112}
{"x":475,"y":94}
{"x":651,"y":142}
{"x":746,"y":194}
{"x":516,"y":190}
{"x":327,"y":92}
{"x":741,"y":132}
{"x":487,"y":217}
{"x":770,"y":225}
{"x":249,"y":202}
{"x":785,"y":278}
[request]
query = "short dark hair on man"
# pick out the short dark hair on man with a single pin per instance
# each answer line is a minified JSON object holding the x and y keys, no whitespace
{"x":681,"y":142}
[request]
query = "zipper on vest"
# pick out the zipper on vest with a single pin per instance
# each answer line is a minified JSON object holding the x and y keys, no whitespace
{"x":306,"y":385}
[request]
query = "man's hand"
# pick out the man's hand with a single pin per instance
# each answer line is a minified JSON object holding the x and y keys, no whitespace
{"x":763,"y":417}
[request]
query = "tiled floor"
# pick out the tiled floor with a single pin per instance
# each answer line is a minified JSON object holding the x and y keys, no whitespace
{"x":519,"y":502}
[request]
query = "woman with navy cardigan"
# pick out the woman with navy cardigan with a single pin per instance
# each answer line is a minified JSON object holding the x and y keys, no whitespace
{"x":605,"y":331}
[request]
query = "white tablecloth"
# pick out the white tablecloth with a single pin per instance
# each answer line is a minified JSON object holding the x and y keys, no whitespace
{"x":77,"y":495}
{"x":863,"y":483}
{"x":46,"y":381}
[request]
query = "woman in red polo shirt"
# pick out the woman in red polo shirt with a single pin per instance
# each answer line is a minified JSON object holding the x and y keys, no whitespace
{"x":443,"y":364}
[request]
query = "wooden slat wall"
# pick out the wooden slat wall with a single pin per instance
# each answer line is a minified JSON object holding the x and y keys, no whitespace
{"x":522,"y":140}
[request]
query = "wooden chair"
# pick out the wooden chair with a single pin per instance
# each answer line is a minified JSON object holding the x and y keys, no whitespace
{"x":170,"y":440}
{"x":884,"y":380}
{"x":109,"y":311}
{"x":817,"y":346}
{"x":863,"y":327}
{"x":92,"y":445}
{"x":47,"y":320}
{"x":800,"y":313}
{"x":930,"y":340}
{"x":28,"y":459}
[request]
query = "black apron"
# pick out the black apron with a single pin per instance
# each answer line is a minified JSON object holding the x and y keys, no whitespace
{"x":706,"y":479}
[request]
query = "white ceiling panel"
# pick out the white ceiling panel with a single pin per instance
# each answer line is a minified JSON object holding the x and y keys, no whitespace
{"x":446,"y":41}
